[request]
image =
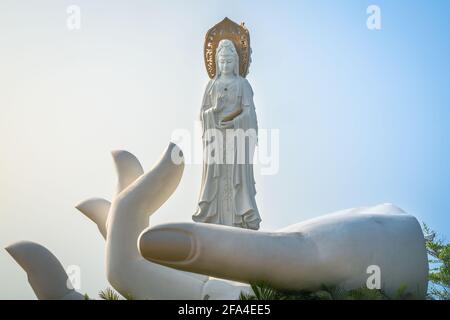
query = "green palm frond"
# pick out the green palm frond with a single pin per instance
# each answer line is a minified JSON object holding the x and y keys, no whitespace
{"x":263,"y":291}
{"x":108,"y":294}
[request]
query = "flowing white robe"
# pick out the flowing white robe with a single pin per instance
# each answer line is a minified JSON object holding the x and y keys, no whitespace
{"x":227,"y":194}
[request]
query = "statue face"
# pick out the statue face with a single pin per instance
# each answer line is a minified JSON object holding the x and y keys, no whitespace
{"x":226,"y":63}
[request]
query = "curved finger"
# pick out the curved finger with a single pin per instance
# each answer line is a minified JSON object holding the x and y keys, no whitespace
{"x":128,"y":168}
{"x":97,"y":210}
{"x":152,"y":189}
{"x":45,"y":273}
{"x":132,"y":207}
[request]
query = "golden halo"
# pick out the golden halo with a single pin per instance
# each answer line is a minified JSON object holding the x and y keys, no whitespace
{"x":227,"y":29}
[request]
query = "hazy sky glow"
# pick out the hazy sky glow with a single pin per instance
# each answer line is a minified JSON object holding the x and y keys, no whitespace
{"x":363,"y":115}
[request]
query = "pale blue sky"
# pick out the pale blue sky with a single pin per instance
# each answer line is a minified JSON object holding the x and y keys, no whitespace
{"x":363,"y":115}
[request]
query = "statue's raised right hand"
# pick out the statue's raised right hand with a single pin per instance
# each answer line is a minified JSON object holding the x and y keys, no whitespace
{"x":220,"y":103}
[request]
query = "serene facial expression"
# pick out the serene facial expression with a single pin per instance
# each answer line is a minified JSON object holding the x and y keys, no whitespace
{"x":226,"y":63}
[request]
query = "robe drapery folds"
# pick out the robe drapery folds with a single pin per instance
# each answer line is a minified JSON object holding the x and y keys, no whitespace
{"x":227,"y":194}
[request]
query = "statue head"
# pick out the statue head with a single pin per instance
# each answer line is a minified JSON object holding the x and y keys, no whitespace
{"x":227,"y":58}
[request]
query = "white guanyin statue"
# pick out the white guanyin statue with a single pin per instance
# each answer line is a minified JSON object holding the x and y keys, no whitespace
{"x":227,"y":194}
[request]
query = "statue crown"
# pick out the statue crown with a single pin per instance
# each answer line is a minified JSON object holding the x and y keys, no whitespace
{"x":227,"y":31}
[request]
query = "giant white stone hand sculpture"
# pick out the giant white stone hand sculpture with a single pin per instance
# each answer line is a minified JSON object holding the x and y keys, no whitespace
{"x":335,"y":249}
{"x":139,"y":196}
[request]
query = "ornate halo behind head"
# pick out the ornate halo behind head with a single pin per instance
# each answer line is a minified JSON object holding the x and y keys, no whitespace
{"x":238,"y":34}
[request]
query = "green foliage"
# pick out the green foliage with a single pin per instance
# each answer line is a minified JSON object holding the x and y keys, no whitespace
{"x":263,"y":291}
{"x":108,"y":294}
{"x":439,"y":276}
